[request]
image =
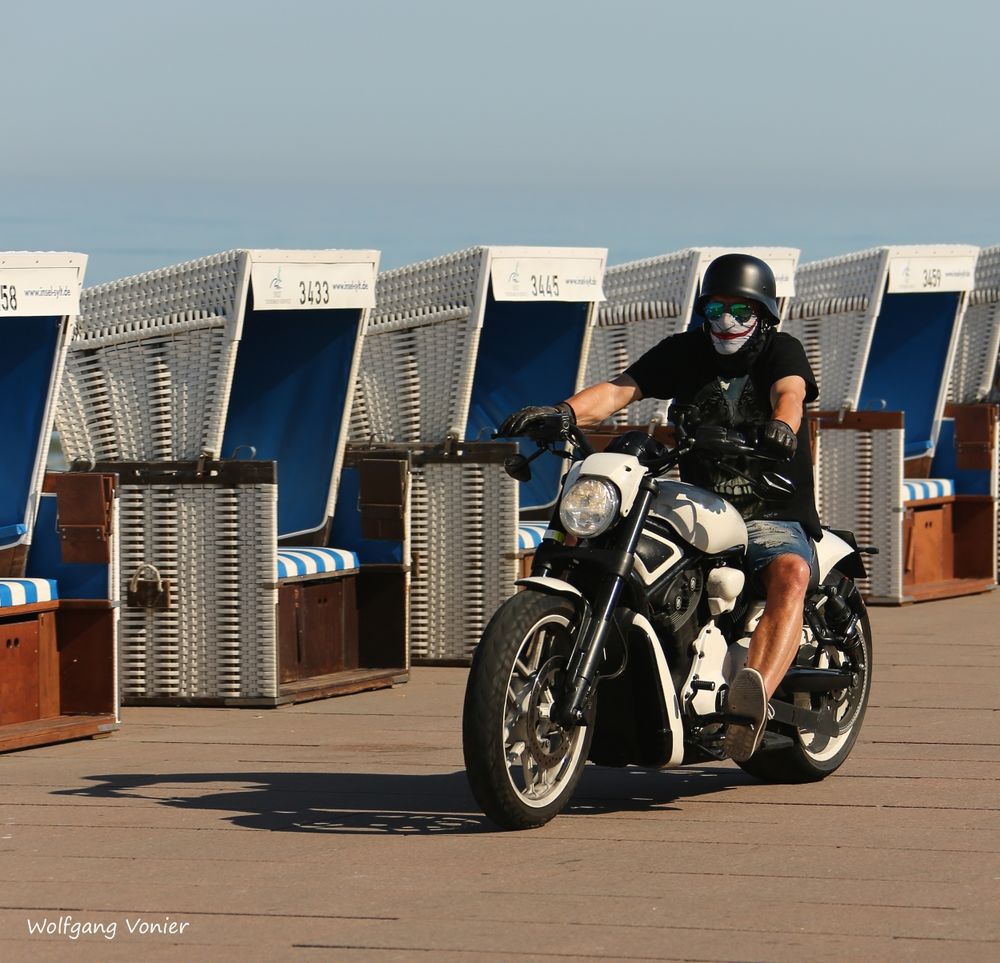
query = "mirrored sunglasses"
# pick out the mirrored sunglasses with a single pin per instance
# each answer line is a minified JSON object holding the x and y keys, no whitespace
{"x":714,"y":311}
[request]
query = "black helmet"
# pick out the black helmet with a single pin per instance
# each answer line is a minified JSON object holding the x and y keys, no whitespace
{"x":740,"y":276}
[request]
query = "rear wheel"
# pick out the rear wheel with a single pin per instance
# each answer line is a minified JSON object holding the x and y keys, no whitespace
{"x":522,"y":765}
{"x":813,"y":755}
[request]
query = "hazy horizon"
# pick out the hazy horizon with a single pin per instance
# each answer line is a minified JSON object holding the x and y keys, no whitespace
{"x":162,"y":132}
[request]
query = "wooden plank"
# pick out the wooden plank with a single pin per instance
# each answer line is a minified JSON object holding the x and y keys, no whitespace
{"x":18,"y":611}
{"x":288,"y":633}
{"x":340,"y":684}
{"x":48,"y":666}
{"x":929,"y":502}
{"x":948,"y":589}
{"x":42,"y":732}
{"x":857,"y":420}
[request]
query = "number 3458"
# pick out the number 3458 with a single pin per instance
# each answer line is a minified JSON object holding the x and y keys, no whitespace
{"x":8,"y":297}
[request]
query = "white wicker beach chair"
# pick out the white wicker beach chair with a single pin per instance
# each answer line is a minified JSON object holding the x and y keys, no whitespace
{"x":975,"y":380}
{"x":188,"y":378}
{"x":881,"y":330}
{"x":57,"y":618}
{"x":975,"y":373}
{"x":455,"y":345}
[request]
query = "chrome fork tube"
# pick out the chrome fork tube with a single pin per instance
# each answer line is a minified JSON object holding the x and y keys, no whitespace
{"x":583,"y":668}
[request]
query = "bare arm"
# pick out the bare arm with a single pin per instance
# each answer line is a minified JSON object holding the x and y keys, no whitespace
{"x":788,"y":399}
{"x":594,"y":404}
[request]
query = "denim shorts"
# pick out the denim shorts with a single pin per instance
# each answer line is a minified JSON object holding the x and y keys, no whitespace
{"x":766,"y":540}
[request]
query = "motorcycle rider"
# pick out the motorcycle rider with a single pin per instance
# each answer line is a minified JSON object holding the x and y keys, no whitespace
{"x":738,"y":372}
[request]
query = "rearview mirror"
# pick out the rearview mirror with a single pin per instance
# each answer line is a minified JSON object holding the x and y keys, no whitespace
{"x":517,"y":467}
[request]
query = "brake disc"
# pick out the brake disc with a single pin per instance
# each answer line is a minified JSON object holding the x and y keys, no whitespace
{"x":547,"y":741}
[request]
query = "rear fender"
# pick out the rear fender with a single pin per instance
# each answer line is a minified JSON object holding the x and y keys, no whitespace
{"x":833,"y":550}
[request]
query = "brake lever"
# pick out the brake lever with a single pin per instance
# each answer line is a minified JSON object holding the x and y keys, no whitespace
{"x":766,"y":456}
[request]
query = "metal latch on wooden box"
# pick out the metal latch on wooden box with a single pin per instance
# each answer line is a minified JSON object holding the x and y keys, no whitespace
{"x":147,"y":589}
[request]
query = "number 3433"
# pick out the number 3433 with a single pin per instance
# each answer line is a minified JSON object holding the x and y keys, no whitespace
{"x":314,"y":292}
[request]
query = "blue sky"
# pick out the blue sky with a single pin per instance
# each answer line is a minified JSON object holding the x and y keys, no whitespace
{"x":147,"y":133}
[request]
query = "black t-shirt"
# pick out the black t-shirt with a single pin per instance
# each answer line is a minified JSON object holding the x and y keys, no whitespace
{"x":686,"y":368}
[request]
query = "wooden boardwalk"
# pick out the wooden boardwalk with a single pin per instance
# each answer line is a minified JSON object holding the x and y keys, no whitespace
{"x":344,"y":830}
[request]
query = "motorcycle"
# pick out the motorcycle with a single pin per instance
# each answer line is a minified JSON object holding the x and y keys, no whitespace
{"x":620,"y":646}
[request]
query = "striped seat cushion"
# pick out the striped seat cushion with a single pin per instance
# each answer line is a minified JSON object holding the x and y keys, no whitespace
{"x":530,"y":535}
{"x":26,"y":591}
{"x":296,"y":562}
{"x":920,"y":489}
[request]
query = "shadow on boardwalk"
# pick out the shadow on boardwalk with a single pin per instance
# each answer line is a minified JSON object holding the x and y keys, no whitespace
{"x":381,"y":803}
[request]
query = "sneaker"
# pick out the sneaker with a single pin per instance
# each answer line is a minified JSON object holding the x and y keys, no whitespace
{"x":746,"y":697}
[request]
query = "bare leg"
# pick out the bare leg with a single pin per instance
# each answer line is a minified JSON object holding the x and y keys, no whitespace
{"x":775,"y":641}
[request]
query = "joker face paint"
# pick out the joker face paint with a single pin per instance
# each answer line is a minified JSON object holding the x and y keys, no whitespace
{"x":730,"y":325}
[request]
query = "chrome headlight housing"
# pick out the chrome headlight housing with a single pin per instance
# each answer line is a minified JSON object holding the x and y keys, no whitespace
{"x":590,"y":507}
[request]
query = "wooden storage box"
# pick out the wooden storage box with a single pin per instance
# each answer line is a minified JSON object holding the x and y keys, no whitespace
{"x":57,"y":657}
{"x":317,"y":628}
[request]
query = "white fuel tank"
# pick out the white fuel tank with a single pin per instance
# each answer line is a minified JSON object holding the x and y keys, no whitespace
{"x":700,"y":517}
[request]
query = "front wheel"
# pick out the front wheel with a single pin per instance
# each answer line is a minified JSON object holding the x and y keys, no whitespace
{"x":522,"y":765}
{"x":813,"y":755}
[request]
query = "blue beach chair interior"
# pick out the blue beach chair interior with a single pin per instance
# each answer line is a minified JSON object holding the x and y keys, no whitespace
{"x":289,"y":396}
{"x":31,"y":346}
{"x":529,"y":354}
{"x":907,"y":363}
{"x":75,"y":581}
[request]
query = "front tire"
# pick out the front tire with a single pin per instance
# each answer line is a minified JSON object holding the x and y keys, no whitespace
{"x":522,"y":766}
{"x":812,"y":756}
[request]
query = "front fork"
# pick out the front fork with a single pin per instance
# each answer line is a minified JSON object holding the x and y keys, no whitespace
{"x":581,"y":674}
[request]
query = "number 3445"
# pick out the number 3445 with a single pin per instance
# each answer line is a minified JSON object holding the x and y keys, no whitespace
{"x":545,"y":285}
{"x":8,"y":297}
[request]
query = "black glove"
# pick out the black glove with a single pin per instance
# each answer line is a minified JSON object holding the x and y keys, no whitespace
{"x":541,"y":422}
{"x":779,"y":439}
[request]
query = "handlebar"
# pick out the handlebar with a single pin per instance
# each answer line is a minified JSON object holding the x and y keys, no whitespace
{"x":710,"y":440}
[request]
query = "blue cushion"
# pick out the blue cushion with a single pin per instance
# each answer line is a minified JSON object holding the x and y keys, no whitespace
{"x":296,"y":562}
{"x":26,"y":591}
{"x":920,"y":489}
{"x":530,"y":535}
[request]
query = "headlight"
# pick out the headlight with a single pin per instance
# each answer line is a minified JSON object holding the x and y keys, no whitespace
{"x":589,"y":507}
